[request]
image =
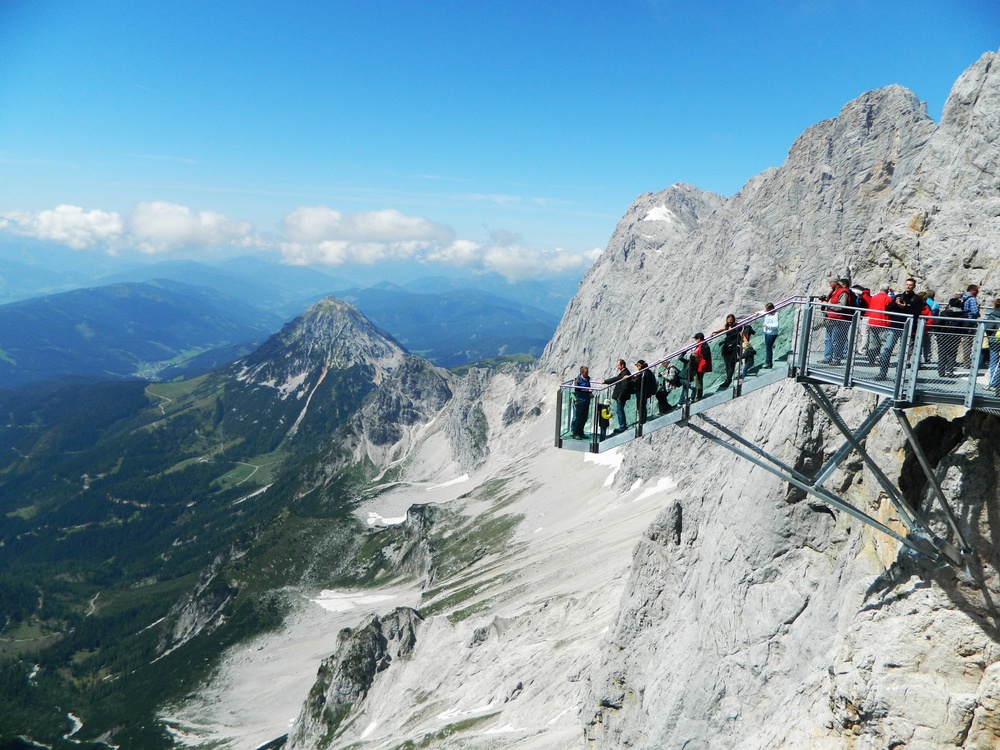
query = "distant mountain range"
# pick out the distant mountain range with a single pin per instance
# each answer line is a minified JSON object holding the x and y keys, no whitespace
{"x":32,"y":268}
{"x":191,"y":317}
{"x":124,"y":330}
{"x":456,"y":327}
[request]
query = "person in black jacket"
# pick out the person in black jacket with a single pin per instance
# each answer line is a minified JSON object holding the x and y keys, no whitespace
{"x":952,"y":325}
{"x":621,"y":393}
{"x":907,"y":303}
{"x":644,"y":387}
{"x":581,"y":403}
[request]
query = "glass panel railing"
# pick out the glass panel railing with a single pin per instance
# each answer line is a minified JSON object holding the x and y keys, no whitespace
{"x":616,"y":407}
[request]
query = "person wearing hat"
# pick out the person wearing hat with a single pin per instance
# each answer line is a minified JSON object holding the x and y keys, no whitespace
{"x":644,"y":387}
{"x":699,"y":362}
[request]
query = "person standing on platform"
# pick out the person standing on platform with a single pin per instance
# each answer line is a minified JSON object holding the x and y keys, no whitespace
{"x":770,"y":324}
{"x":644,"y":387}
{"x":699,"y":362}
{"x":582,"y":396}
{"x":908,"y":303}
{"x":621,"y":393}
{"x":971,"y":307}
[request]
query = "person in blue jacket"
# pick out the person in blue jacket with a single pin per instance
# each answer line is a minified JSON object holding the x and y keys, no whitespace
{"x":582,"y":396}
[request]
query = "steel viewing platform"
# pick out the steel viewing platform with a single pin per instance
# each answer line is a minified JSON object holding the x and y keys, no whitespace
{"x":907,"y":361}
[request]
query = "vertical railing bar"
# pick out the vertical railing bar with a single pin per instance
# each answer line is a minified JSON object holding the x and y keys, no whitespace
{"x":911,"y":385}
{"x":559,"y":417}
{"x":851,"y":338}
{"x":974,"y":356}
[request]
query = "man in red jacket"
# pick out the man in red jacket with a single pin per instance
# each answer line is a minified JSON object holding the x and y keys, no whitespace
{"x":878,"y":321}
{"x":838,"y":321}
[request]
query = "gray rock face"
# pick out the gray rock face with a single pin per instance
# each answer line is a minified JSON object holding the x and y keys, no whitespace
{"x":345,"y":678}
{"x":751,"y":621}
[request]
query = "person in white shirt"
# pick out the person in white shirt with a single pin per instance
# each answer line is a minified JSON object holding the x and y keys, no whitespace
{"x":770,"y":334}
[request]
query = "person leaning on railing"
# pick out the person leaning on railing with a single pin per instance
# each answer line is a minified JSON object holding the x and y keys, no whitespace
{"x":878,"y":321}
{"x":621,"y":393}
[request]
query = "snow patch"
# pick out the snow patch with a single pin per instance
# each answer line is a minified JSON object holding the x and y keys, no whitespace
{"x":659,"y":213}
{"x":374,"y":519}
{"x":291,"y":384}
{"x":450,"y":482}
{"x":662,"y":485}
{"x":344,"y":601}
{"x":457,"y":713}
{"x":612,"y":458}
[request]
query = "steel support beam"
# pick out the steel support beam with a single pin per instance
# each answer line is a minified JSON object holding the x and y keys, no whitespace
{"x":932,"y":479}
{"x":772,"y":465}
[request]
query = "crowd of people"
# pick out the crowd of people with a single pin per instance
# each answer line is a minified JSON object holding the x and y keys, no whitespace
{"x":948,"y":328}
{"x":687,"y":374}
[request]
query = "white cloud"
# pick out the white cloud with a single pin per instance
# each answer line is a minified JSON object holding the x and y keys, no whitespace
{"x":158,"y":227}
{"x":313,"y":224}
{"x":151,"y":227}
{"x":312,"y":235}
{"x":69,"y":225}
{"x":323,"y":236}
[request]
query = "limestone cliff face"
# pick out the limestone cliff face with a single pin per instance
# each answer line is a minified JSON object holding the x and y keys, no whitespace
{"x":753,"y":618}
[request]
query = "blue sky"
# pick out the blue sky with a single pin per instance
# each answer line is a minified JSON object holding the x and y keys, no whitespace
{"x":505,"y":136}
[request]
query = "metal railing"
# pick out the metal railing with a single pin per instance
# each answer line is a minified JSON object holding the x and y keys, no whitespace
{"x":910,"y":360}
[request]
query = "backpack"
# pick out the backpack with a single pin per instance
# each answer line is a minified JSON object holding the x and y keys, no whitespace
{"x":672,"y":376}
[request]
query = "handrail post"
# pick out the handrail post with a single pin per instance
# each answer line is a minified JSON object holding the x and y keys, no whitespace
{"x":852,"y":335}
{"x":805,"y":332}
{"x":904,"y":353}
{"x":918,"y":350}
{"x":974,"y":357}
{"x":559,"y":417}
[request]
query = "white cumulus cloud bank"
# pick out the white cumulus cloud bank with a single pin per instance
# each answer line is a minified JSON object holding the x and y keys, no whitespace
{"x":158,"y":227}
{"x":311,"y":235}
{"x":68,"y":225}
{"x":152,"y":227}
{"x":318,"y":235}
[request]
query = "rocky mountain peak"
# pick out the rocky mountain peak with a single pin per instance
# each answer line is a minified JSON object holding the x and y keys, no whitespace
{"x":331,"y":334}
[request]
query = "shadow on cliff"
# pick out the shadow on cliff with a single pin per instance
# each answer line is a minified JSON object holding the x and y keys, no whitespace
{"x":974,"y":588}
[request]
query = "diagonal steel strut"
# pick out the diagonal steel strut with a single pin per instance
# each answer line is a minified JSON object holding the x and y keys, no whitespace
{"x":917,"y":526}
{"x":932,"y":479}
{"x":759,"y":457}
